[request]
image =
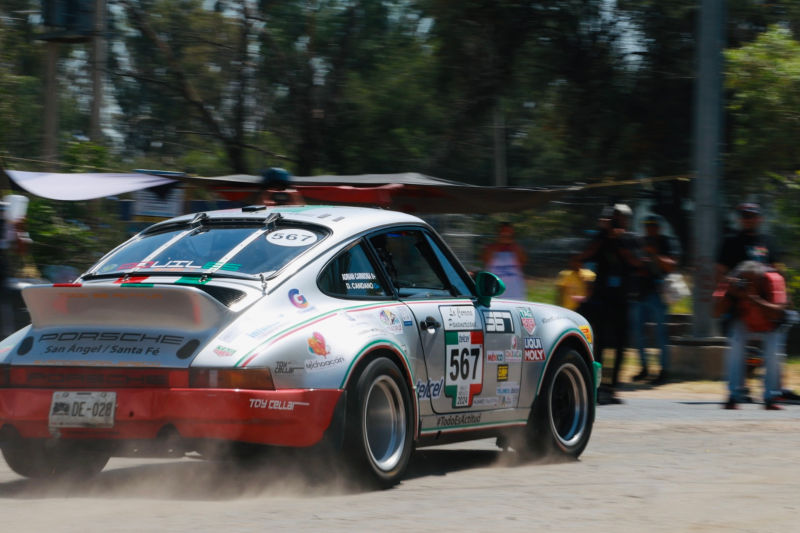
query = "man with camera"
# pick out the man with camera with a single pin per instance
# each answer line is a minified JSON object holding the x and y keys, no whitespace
{"x":615,"y":251}
{"x":752,"y":295}
{"x":755,"y":295}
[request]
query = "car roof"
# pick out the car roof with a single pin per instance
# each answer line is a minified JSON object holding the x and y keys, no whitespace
{"x":341,"y":220}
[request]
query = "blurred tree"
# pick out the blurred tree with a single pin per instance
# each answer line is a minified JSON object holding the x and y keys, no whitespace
{"x":764,"y":79}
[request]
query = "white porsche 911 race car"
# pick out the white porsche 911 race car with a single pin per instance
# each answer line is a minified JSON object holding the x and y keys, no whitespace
{"x":300,"y":326}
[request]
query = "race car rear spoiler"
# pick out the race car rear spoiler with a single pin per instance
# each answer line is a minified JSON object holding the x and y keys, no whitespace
{"x":177,"y":307}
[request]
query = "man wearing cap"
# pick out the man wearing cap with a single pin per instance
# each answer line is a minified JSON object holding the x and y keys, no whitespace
{"x":615,"y":254}
{"x":747,"y":245}
{"x":648,"y":304}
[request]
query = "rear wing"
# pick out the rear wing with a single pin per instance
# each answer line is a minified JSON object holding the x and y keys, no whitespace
{"x":178,"y":307}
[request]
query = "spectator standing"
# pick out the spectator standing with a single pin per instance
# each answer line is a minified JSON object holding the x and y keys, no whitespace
{"x":649,"y":304}
{"x":506,"y":258}
{"x":574,"y":285}
{"x":614,"y":252}
{"x":756,"y":296}
{"x":748,"y":244}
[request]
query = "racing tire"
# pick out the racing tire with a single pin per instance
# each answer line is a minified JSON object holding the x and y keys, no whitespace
{"x":379,"y":425}
{"x":562,"y":416}
{"x":35,"y":459}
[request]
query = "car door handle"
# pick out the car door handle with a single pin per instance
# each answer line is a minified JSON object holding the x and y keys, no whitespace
{"x":429,"y":323}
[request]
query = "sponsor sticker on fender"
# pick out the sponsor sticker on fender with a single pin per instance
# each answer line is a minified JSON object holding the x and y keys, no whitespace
{"x":224,"y":351}
{"x":390,"y":321}
{"x":430,"y":389}
{"x":502,"y":372}
{"x":526,"y":317}
{"x":534,"y":351}
{"x":587,"y":332}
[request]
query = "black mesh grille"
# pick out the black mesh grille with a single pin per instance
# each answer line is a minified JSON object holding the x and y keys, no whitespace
{"x":224,"y":295}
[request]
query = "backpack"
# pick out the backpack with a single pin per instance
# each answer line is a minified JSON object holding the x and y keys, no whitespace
{"x":774,"y":291}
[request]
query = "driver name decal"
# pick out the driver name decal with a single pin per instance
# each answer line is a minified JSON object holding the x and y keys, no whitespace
{"x":464,"y":373}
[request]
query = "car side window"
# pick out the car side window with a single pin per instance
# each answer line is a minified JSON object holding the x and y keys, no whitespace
{"x":412,"y":264}
{"x":352,"y":275}
{"x":456,"y":281}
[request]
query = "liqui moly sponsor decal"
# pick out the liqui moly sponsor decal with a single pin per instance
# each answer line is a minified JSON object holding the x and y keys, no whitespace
{"x":534,"y":351}
{"x":526,"y":317}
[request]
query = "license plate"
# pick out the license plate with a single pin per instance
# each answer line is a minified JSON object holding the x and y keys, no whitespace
{"x":83,"y":409}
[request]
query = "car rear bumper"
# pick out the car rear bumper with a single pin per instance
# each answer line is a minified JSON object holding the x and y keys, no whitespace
{"x":295,"y":417}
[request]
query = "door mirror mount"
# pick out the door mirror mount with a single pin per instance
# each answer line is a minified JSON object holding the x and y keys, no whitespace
{"x":488,"y":285}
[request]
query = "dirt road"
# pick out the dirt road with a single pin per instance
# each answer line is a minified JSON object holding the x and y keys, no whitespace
{"x":663,"y":461}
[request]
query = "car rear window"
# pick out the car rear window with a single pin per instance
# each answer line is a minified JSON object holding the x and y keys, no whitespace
{"x":211,"y":248}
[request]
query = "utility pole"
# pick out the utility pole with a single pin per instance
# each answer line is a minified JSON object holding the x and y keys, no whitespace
{"x":500,"y":171}
{"x":707,"y":164}
{"x":50,"y":144}
{"x":98,"y":70}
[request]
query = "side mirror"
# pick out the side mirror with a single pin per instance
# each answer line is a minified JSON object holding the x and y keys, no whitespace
{"x":488,"y":285}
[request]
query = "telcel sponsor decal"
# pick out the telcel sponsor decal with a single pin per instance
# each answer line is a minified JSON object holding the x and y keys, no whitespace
{"x":458,"y":420}
{"x":502,"y":372}
{"x":587,"y":332}
{"x":297,"y":299}
{"x":276,"y":405}
{"x":430,"y":389}
{"x":498,"y":322}
{"x":533,"y":349}
{"x":526,"y":317}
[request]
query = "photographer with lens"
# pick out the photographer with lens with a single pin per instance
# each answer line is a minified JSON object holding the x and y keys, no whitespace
{"x":748,"y":244}
{"x":615,"y":252}
{"x":755,"y":295}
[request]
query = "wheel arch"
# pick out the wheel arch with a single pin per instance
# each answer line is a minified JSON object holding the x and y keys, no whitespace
{"x":570,"y":340}
{"x":393,"y":353}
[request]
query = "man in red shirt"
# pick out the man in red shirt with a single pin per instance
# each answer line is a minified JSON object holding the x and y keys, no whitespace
{"x":755,"y":295}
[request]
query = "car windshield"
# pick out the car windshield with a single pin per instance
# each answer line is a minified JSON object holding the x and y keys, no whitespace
{"x":231,"y":248}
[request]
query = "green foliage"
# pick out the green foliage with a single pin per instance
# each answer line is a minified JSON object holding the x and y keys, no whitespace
{"x":764,"y":79}
{"x":71,"y":233}
{"x":793,"y":287}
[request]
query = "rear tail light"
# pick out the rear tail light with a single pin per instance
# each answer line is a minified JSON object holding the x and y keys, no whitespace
{"x":231,"y":378}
